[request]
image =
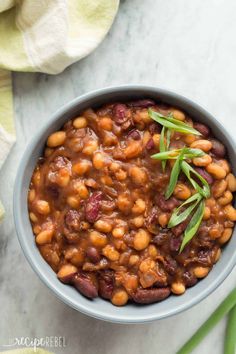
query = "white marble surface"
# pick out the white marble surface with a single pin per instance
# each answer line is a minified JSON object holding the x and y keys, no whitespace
{"x":186,"y":46}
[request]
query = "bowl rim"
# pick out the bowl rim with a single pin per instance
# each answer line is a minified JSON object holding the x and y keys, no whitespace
{"x":100,"y":314}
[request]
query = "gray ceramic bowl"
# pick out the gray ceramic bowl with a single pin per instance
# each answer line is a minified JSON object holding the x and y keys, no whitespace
{"x":99,"y":308}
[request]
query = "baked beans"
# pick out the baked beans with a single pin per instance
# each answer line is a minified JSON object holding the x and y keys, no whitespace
{"x":97,"y":207}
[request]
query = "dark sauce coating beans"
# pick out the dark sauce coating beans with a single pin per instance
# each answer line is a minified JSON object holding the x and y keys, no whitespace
{"x":98,"y":212}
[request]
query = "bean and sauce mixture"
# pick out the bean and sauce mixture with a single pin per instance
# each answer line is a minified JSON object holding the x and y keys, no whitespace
{"x":99,"y":210}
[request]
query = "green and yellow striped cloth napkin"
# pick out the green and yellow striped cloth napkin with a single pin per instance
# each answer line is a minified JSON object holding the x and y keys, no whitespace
{"x":45,"y":36}
{"x":49,"y":35}
{"x":27,"y":351}
{"x":7,"y":130}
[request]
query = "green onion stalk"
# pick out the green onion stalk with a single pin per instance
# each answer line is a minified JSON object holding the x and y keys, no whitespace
{"x":229,"y":304}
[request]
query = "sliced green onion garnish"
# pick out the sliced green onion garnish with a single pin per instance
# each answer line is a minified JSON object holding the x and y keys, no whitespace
{"x":187,"y":169}
{"x":230,"y":336}
{"x":172,"y":123}
{"x":193,"y":225}
{"x":177,"y":217}
{"x":191,"y":153}
{"x":173,"y":154}
{"x":168,"y":136}
{"x":167,"y":155}
{"x":174,"y":175}
{"x":212,"y":321}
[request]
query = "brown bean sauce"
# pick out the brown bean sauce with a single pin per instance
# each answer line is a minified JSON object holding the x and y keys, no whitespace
{"x":98,"y":212}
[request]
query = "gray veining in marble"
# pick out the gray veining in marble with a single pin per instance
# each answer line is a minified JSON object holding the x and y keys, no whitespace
{"x":186,"y":46}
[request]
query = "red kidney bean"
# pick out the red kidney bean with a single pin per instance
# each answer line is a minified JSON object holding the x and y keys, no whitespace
{"x":203,"y":237}
{"x":154,"y":128}
{"x":202,"y":128}
{"x":134,"y":134}
{"x":141,"y":103}
{"x":167,"y":205}
{"x":72,"y":220}
{"x":71,"y":236}
{"x":150,"y":144}
{"x":171,"y":265}
{"x":106,"y":284}
{"x":179,"y":229}
{"x":204,"y":256}
{"x":161,"y":237}
{"x":148,"y":296}
{"x":218,"y":149}
{"x":120,"y":113}
{"x":92,"y":207}
{"x":175,"y":243}
{"x":189,"y":279}
{"x":161,"y":283}
{"x":93,"y":254}
{"x":85,"y":285}
{"x":204,"y":174}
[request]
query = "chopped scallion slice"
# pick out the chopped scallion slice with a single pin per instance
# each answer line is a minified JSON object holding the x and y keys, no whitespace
{"x":172,"y":123}
{"x":177,"y":217}
{"x":193,"y":225}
